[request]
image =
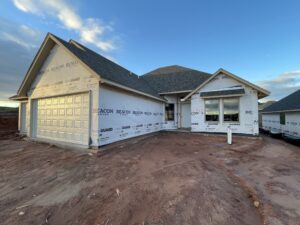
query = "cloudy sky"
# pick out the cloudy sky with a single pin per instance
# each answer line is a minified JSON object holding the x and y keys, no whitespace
{"x":257,"y":40}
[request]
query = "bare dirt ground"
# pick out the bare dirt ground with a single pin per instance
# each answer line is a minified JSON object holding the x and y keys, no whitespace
{"x":166,"y":178}
{"x":8,"y":124}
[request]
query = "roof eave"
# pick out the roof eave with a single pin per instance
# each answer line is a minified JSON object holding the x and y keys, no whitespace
{"x":174,"y":92}
{"x":18,"y":98}
{"x":46,"y":44}
{"x":105,"y":81}
{"x":263,"y":92}
{"x":281,"y":111}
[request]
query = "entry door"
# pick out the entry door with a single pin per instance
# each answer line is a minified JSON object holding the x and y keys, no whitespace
{"x":185,"y":115}
{"x":64,"y":118}
{"x":23,"y":118}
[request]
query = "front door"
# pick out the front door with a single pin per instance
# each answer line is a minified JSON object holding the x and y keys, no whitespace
{"x":185,"y":115}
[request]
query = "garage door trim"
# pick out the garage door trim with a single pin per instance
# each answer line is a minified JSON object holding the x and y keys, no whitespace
{"x":34,"y":109}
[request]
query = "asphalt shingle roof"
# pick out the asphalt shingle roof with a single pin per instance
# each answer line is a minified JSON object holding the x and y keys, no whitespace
{"x":108,"y":69}
{"x":164,"y":79}
{"x":175,"y":78}
{"x":290,"y":102}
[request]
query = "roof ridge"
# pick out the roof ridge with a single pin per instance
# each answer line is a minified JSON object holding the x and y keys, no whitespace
{"x":108,"y":69}
{"x":99,"y":55}
{"x":164,"y":70}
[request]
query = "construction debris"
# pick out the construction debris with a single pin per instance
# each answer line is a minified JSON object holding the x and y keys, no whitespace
{"x":118,"y":192}
{"x":256,"y":204}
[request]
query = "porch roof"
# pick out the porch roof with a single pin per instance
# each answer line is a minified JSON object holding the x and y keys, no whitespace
{"x":224,"y":92}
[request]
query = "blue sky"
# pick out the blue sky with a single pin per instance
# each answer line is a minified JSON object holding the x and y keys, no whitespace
{"x":257,"y":40}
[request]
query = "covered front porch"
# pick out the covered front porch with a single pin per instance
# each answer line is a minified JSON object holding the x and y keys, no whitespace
{"x":177,"y":113}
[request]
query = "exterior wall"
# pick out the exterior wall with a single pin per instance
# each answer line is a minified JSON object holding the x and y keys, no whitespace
{"x":170,"y":125}
{"x":260,"y":119}
{"x":185,"y":114}
{"x":123,"y":115}
{"x":271,"y":122}
{"x":63,"y":74}
{"x":292,"y":124}
{"x":23,"y":122}
{"x":248,"y":114}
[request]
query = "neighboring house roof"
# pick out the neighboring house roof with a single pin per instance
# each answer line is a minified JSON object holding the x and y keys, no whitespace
{"x":289,"y":103}
{"x":175,"y":79}
{"x":264,"y":105}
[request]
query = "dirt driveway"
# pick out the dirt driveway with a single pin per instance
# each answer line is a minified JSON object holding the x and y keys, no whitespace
{"x":166,"y":178}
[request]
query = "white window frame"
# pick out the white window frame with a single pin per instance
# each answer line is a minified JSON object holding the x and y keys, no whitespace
{"x":239,"y":111}
{"x":209,"y":121}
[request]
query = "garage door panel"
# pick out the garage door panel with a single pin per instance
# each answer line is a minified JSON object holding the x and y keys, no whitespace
{"x":64,"y":118}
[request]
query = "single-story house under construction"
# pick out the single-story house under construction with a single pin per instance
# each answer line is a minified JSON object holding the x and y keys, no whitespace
{"x":73,"y":95}
{"x":283,"y":117}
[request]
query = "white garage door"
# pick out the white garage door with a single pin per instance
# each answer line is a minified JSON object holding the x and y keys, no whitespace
{"x":64,"y":118}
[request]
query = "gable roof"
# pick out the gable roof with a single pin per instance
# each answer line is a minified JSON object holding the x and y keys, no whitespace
{"x":261,"y":92}
{"x":110,"y":70}
{"x":99,"y":65}
{"x":171,"y":79}
{"x":289,"y":103}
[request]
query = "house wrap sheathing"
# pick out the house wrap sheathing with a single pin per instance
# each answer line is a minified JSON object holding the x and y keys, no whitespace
{"x":283,"y":117}
{"x":73,"y":95}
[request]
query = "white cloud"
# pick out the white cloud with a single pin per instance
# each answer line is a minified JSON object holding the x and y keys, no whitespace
{"x":26,"y":6}
{"x":20,"y":34}
{"x":17,"y":40}
{"x":90,"y":30}
{"x":282,"y":85}
{"x":28,"y":31}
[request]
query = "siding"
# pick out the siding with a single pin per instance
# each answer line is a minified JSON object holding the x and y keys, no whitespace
{"x":248,"y":123}
{"x":271,"y":122}
{"x":292,"y":123}
{"x":123,"y":115}
{"x":63,"y":74}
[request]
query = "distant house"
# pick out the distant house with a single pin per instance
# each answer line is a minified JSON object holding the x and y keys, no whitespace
{"x":74,"y":95}
{"x":283,"y":117}
{"x":261,"y":107}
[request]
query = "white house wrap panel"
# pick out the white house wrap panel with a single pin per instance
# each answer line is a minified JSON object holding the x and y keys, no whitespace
{"x":123,"y":115}
{"x":63,"y":75}
{"x":292,"y":124}
{"x":271,"y":122}
{"x":64,"y":118}
{"x":71,"y":94}
{"x":248,"y":109}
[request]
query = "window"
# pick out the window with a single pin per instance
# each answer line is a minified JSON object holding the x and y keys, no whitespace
{"x":282,"y":118}
{"x":169,"y":112}
{"x":231,"y":109}
{"x":212,"y":110}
